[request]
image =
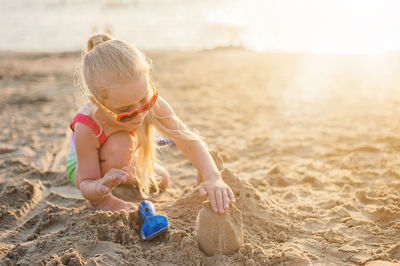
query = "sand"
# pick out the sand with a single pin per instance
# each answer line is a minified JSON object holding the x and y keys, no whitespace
{"x":219,"y":233}
{"x":308,"y":143}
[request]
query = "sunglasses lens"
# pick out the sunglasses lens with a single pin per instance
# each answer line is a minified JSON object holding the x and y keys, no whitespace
{"x":128,"y":118}
{"x":149,"y":104}
{"x":146,"y":107}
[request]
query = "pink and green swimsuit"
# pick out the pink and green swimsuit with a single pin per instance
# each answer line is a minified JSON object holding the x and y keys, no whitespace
{"x":71,"y":158}
{"x":88,"y":121}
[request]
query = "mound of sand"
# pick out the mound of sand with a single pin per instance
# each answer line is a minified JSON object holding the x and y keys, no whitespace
{"x":219,"y":233}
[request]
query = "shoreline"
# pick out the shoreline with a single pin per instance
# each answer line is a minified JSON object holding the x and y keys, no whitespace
{"x":219,"y":48}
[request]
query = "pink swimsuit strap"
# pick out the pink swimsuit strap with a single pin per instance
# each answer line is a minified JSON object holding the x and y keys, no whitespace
{"x":87,"y":120}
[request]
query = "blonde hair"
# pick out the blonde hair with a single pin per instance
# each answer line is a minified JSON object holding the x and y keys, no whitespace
{"x":109,"y":63}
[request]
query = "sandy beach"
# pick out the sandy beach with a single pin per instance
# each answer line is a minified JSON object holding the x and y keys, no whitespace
{"x":308,"y":143}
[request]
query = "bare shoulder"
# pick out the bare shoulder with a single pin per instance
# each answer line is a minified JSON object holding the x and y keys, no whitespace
{"x":165,"y":115}
{"x":168,"y":119}
{"x":86,"y":108}
{"x":162,"y":108}
{"x":85,"y":138}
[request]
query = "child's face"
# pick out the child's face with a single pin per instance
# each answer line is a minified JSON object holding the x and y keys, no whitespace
{"x":129,"y":96}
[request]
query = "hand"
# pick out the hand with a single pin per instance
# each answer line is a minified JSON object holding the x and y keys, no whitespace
{"x":219,"y":194}
{"x":111,"y":179}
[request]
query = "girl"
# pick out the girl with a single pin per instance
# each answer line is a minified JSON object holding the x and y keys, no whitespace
{"x":113,"y":139}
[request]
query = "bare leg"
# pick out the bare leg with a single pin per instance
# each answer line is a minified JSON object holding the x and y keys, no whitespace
{"x":159,"y":170}
{"x":115,"y":153}
{"x":164,"y":176}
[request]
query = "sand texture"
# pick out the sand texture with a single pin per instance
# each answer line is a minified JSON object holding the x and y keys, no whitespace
{"x":308,"y":143}
{"x":219,"y":233}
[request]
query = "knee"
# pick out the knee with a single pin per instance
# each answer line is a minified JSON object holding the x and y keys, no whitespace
{"x":164,"y":178}
{"x":117,"y":151}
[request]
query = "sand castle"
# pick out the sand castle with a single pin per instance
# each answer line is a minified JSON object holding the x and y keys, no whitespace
{"x":219,"y":233}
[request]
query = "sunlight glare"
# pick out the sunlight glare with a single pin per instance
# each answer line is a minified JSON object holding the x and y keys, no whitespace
{"x":333,"y":27}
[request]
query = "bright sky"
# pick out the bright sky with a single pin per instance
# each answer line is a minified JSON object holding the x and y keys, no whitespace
{"x":326,"y":26}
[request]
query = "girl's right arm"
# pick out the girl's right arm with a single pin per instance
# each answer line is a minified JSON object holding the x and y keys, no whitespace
{"x":91,"y":183}
{"x":87,"y":151}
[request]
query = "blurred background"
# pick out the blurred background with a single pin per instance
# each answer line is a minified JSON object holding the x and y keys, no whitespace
{"x":337,"y":26}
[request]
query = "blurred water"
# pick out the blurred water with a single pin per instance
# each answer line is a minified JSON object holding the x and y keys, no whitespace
{"x":332,"y":26}
{"x":59,"y":25}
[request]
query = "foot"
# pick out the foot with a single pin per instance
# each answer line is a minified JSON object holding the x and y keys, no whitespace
{"x":111,"y":203}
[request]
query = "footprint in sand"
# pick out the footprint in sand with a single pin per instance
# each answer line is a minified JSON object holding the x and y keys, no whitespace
{"x":219,"y":233}
{"x":18,"y":199}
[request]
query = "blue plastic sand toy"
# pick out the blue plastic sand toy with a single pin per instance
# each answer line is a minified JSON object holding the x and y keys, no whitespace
{"x":153,"y":225}
{"x":165,"y":142}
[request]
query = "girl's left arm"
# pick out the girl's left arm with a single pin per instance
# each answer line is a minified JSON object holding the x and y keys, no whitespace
{"x":219,"y":193}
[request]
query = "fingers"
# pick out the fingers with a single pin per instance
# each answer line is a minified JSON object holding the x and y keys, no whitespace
{"x":231,"y":196}
{"x":218,"y":198}
{"x":112,"y":181}
{"x":104,"y":189}
{"x":114,"y":177}
{"x":226,"y":199}
{"x":202,"y":191}
{"x":213,"y":202}
{"x":222,"y":199}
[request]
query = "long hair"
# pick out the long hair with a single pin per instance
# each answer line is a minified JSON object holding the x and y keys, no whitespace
{"x":108,"y":63}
